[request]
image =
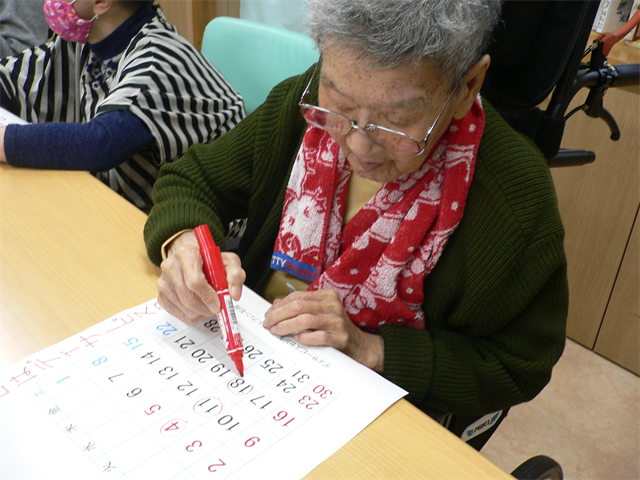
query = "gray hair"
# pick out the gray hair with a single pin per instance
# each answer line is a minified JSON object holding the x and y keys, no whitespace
{"x":452,"y":33}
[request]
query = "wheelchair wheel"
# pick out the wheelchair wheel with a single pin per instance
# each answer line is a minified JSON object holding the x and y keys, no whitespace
{"x":539,"y":468}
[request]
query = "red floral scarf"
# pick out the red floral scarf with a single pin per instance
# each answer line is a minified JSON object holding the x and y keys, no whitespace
{"x":377,"y":263}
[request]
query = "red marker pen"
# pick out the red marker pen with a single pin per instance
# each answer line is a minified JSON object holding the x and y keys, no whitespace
{"x":216,"y":276}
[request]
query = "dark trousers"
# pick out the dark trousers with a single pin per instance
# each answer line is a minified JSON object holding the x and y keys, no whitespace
{"x":476,"y":431}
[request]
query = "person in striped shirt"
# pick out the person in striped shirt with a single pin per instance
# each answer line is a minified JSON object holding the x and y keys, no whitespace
{"x":115,"y":91}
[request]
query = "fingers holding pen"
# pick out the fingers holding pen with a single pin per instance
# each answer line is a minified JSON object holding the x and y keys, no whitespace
{"x":236,"y":276}
{"x":182,"y":285}
{"x":183,"y":289}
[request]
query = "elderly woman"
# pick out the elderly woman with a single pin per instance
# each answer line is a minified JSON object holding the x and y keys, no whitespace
{"x":391,"y":213}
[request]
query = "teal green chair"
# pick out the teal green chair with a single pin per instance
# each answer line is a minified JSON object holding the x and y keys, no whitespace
{"x":255,"y":57}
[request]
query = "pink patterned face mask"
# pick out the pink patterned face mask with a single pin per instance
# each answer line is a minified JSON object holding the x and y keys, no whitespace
{"x":63,"y":20}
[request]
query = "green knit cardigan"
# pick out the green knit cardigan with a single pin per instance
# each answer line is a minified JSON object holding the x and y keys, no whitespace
{"x":496,"y":302}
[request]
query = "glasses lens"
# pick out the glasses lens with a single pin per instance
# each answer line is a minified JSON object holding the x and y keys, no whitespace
{"x":394,"y":141}
{"x":331,"y":122}
{"x":339,"y":125}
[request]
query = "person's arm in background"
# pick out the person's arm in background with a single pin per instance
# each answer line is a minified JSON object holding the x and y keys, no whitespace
{"x":22,"y":25}
{"x":99,"y":145}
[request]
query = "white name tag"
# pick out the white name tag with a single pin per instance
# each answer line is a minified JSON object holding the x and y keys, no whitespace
{"x":481,"y":425}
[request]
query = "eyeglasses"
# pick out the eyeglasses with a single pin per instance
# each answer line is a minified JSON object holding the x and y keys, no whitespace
{"x":338,"y":124}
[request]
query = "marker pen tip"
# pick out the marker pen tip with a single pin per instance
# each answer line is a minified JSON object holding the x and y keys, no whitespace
{"x":239,"y":365}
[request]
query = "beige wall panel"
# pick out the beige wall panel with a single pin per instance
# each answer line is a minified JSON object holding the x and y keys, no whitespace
{"x":224,"y":8}
{"x":598,"y":203}
{"x":192,"y":16}
{"x":203,"y":12}
{"x":619,"y":337}
{"x":180,"y":14}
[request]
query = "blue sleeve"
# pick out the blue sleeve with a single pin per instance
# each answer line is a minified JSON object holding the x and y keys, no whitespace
{"x":99,"y":145}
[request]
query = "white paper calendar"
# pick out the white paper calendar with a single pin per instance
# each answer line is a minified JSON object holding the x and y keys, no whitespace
{"x":141,"y":395}
{"x":7,"y":118}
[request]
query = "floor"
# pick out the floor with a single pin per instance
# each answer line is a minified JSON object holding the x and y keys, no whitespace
{"x":587,"y":419}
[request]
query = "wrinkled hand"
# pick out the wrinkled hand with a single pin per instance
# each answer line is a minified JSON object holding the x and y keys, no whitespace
{"x":183,"y":290}
{"x":318,"y":318}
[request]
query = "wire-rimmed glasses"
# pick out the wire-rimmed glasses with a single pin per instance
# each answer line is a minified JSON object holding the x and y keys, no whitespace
{"x":338,"y":124}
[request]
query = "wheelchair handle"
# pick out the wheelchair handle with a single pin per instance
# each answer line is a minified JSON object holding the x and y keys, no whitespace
{"x":627,"y":75}
{"x":624,"y":75}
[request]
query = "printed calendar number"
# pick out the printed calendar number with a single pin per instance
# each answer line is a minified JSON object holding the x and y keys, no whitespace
{"x":99,"y":361}
{"x":252,"y":352}
{"x":166,"y":328}
{"x":228,"y":420}
{"x":208,"y":407}
{"x":152,"y":409}
{"x":192,"y":446}
{"x":115,"y":376}
{"x":134,"y":393}
{"x":221,"y":369}
{"x":149,"y":356}
{"x":167,"y":372}
{"x":308,"y":402}
{"x":271,"y":366}
{"x":239,"y":386}
{"x":251,"y":442}
{"x":300,"y":376}
{"x":173,"y":427}
{"x":292,"y":383}
{"x":182,"y":343}
{"x":202,"y":355}
{"x":214,"y":466}
{"x":213,"y":325}
{"x":322,"y":392}
{"x":282,"y":415}
{"x":133,"y":343}
{"x":261,"y":402}
{"x":187,"y":386}
{"x":285,"y":386}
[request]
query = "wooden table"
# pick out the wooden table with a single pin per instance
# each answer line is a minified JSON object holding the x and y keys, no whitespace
{"x":72,"y":254}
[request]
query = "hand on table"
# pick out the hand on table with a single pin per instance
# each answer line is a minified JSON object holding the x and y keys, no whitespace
{"x":318,"y":318}
{"x":183,"y":289}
